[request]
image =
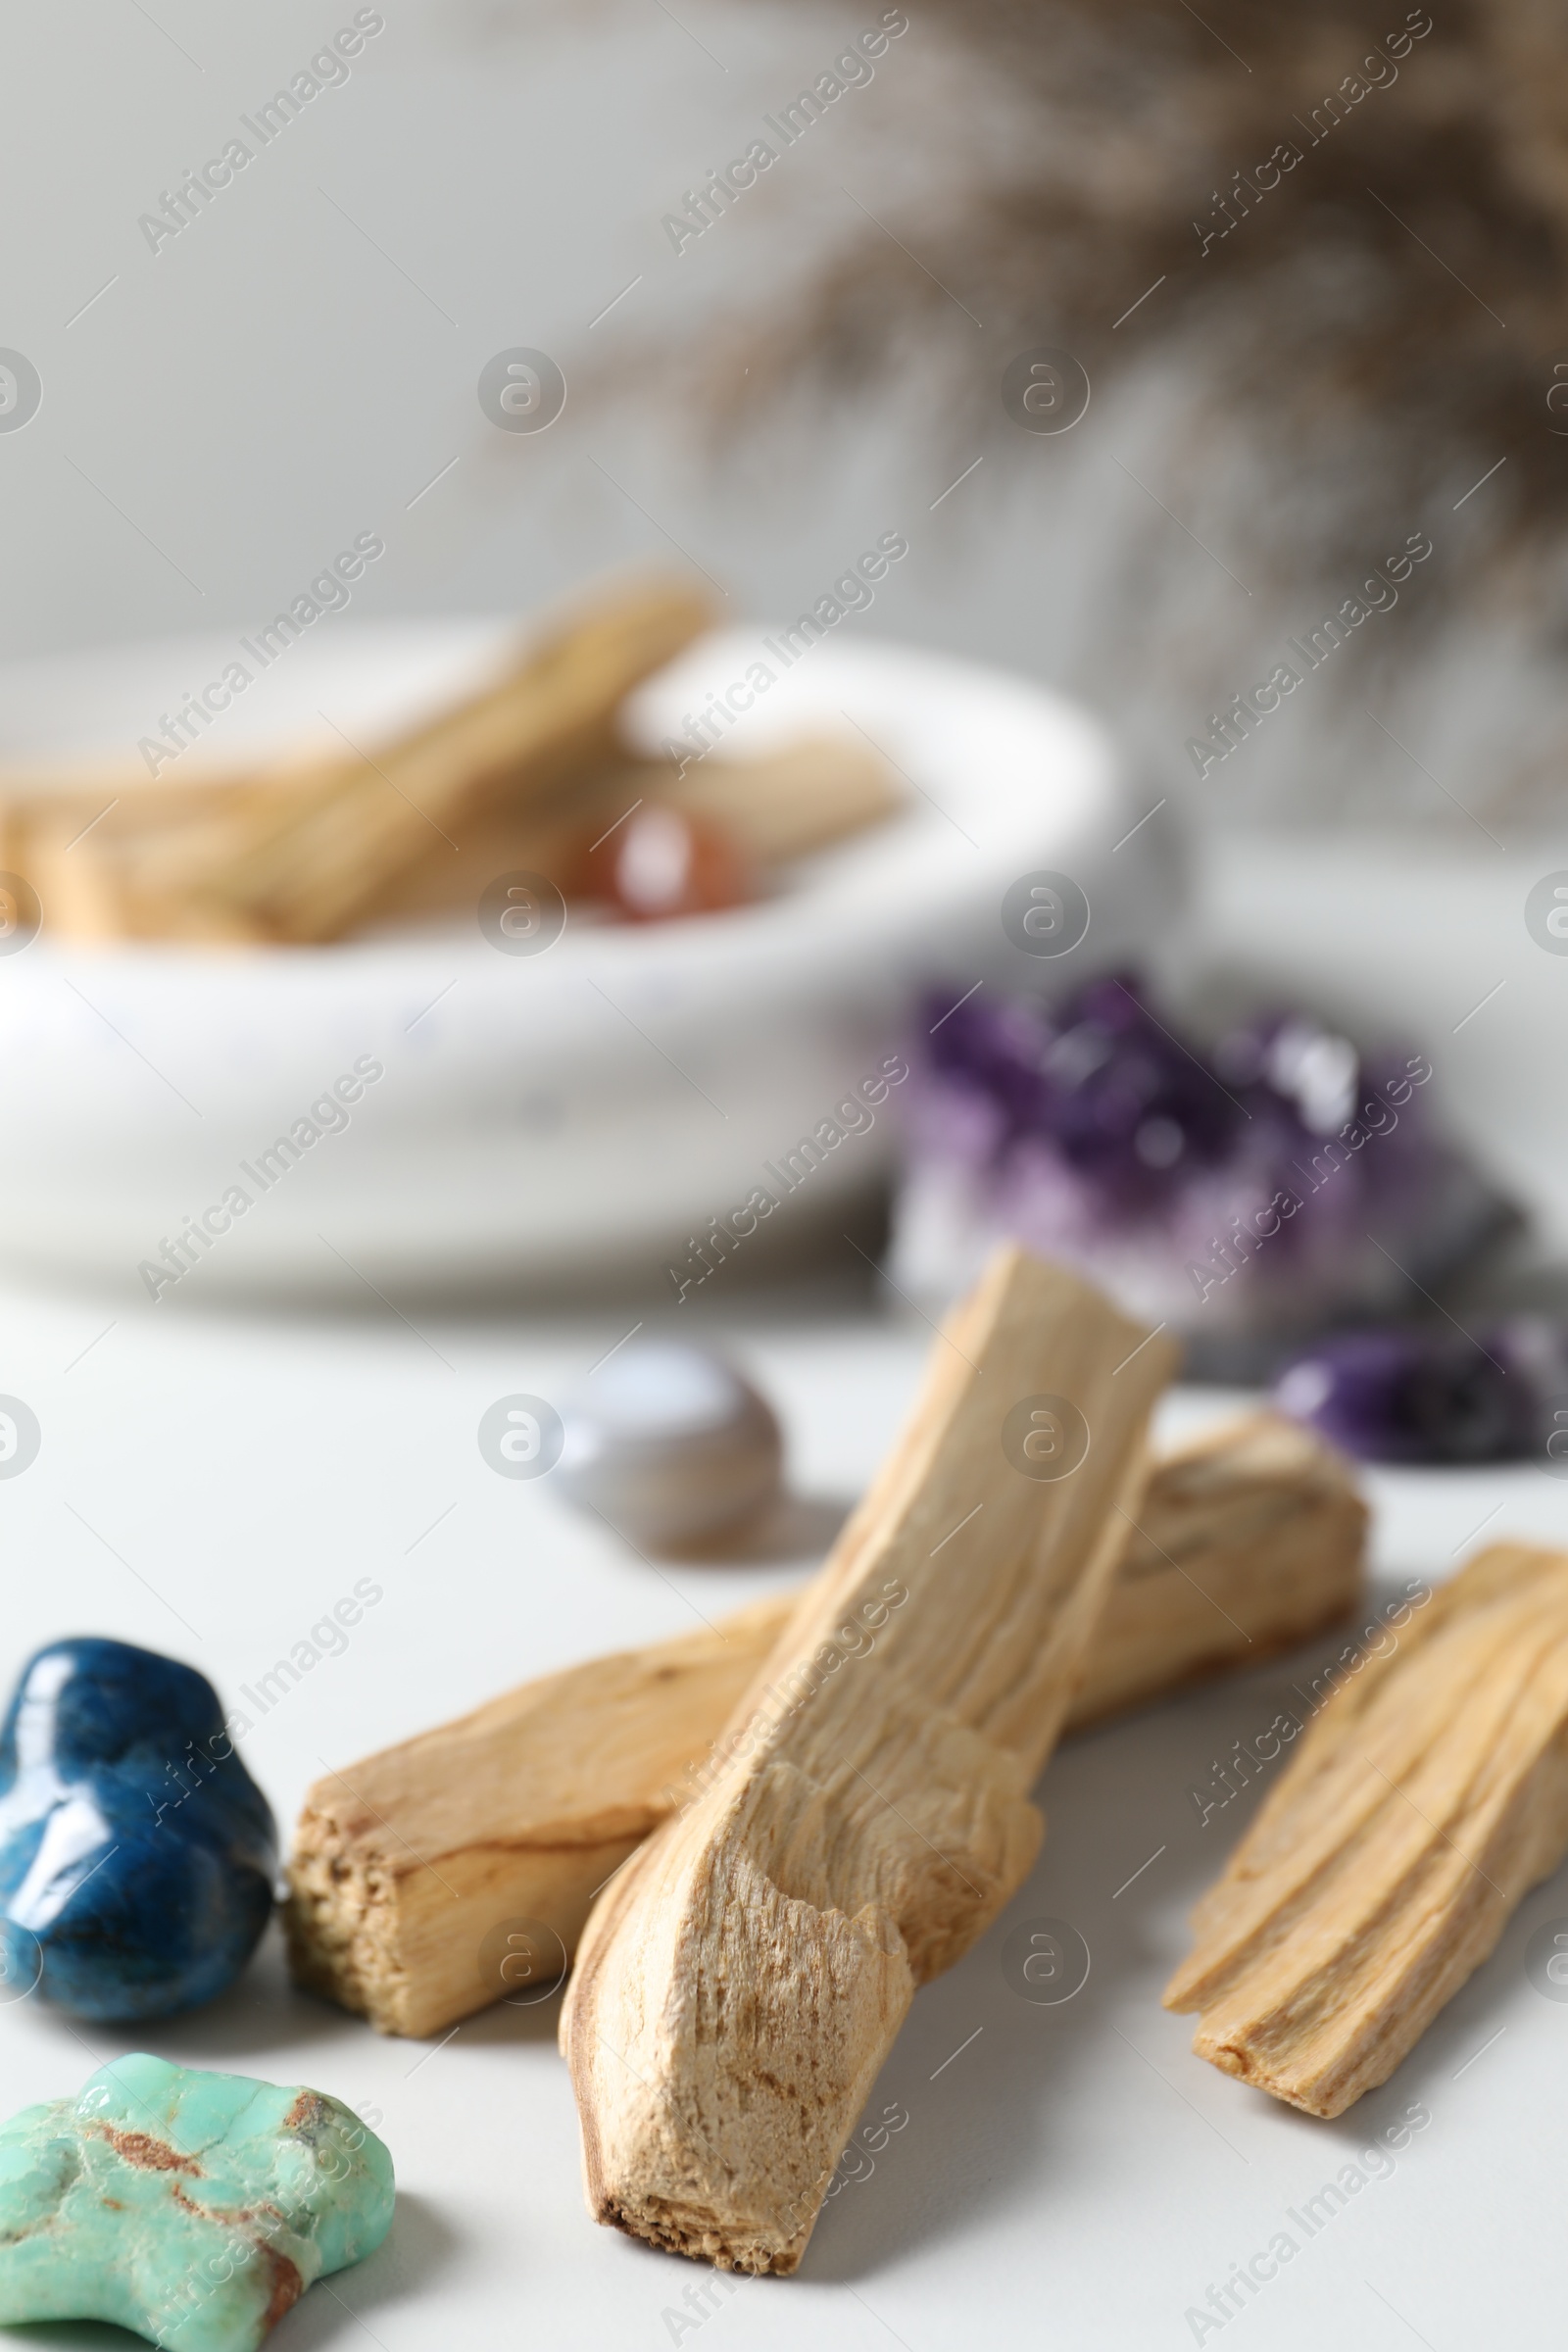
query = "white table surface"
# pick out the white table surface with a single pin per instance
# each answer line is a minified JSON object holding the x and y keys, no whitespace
{"x":1072,"y":2176}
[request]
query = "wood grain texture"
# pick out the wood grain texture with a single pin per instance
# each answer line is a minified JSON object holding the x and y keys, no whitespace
{"x":1429,"y":1794}
{"x":405,"y":1862}
{"x":1245,"y":1543}
{"x":742,"y":1980}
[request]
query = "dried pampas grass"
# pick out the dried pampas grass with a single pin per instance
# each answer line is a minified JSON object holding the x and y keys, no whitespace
{"x":1349,"y":224}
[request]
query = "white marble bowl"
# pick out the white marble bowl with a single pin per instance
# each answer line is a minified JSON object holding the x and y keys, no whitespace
{"x":537,"y":1118}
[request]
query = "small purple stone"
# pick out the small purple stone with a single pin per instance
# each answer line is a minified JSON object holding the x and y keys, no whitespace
{"x":1415,"y":1395}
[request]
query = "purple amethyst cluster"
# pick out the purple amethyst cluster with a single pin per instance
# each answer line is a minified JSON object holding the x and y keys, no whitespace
{"x":1246,"y":1195}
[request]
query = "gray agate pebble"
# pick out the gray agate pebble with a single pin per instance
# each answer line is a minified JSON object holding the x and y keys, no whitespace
{"x":669,"y":1444}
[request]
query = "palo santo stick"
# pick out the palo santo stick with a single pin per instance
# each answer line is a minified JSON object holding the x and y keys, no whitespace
{"x":742,"y":1980}
{"x":107,"y":882}
{"x":83,"y":843}
{"x":1246,"y":1543}
{"x":111,"y":864}
{"x":1429,"y":1795}
{"x":405,"y":1863}
{"x":788,"y":804}
{"x":301,"y":866}
{"x":115,"y":878}
{"x":791,"y":803}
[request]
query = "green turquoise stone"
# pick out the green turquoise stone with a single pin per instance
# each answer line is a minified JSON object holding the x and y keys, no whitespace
{"x":194,"y":2209}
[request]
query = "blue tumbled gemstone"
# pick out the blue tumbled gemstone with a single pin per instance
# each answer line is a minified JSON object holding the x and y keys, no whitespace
{"x":136,"y":1853}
